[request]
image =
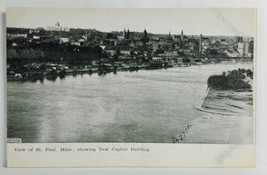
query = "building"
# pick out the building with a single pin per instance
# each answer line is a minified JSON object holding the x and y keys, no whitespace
{"x":111,"y":51}
{"x":57,"y":27}
{"x":182,"y":36}
{"x":18,"y":35}
{"x":125,"y":52}
{"x":36,"y":37}
{"x":240,"y":48}
{"x":64,"y":40}
{"x":200,"y":44}
{"x":251,"y":48}
{"x":246,"y":50}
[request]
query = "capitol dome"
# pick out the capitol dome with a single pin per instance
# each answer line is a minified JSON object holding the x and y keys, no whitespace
{"x":57,"y":24}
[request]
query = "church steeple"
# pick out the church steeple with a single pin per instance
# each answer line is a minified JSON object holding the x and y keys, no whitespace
{"x":128,"y":34}
{"x":145,"y":33}
{"x":124,"y":34}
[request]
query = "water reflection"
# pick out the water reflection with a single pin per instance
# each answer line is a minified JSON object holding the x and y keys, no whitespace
{"x":62,"y":77}
{"x":42,"y":79}
{"x":101,"y":74}
{"x":52,"y":78}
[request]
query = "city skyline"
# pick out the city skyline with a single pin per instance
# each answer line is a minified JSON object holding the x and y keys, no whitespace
{"x":219,"y":22}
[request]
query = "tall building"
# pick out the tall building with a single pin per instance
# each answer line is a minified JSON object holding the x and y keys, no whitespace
{"x":180,"y":43}
{"x":57,"y":24}
{"x":182,"y":36}
{"x":200,"y":44}
{"x":246,"y":49}
{"x":240,"y":39}
{"x":251,"y":47}
{"x":240,"y":48}
{"x":145,"y":33}
{"x":124,"y":34}
{"x":128,"y":34}
{"x":170,"y":37}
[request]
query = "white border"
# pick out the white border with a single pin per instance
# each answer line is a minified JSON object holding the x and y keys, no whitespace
{"x":261,"y":122}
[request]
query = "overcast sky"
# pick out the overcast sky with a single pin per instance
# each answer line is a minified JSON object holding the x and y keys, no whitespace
{"x":231,"y":21}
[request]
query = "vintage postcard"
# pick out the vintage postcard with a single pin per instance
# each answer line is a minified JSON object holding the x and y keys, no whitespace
{"x":131,"y":87}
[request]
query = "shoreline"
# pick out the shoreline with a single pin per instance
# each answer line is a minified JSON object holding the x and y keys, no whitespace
{"x":222,"y":127}
{"x":90,"y":71}
{"x":201,"y":108}
{"x":60,"y":71}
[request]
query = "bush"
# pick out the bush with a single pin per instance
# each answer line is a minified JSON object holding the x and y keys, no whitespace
{"x":234,"y":80}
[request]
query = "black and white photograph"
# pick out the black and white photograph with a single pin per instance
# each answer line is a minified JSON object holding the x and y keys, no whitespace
{"x":169,"y":76}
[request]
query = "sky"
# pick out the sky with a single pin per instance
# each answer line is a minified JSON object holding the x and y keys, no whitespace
{"x":193,"y":21}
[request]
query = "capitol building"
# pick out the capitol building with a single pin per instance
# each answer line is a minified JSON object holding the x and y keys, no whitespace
{"x":57,"y":27}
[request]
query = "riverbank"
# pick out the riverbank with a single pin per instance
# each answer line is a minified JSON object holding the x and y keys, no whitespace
{"x":228,"y":119}
{"x":52,"y":71}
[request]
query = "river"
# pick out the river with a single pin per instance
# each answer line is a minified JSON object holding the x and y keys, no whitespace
{"x":147,"y":106}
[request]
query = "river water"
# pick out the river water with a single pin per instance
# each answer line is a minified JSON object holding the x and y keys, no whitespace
{"x":147,"y":106}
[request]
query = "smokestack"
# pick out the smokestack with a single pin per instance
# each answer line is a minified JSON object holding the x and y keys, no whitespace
{"x":182,"y":36}
{"x":200,"y":44}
